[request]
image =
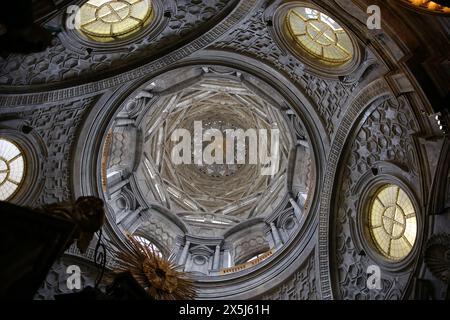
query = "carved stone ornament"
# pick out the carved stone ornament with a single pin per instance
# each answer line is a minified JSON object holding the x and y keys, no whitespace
{"x":437,"y":256}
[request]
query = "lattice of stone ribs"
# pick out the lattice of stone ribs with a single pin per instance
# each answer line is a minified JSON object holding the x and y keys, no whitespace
{"x":58,"y":63}
{"x":57,"y":126}
{"x":159,"y":232}
{"x":217,"y":194}
{"x":300,"y":286}
{"x":385,"y":136}
{"x":252,"y":243}
{"x":253,"y":38}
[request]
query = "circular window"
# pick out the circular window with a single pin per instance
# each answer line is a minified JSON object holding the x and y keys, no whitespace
{"x":319,"y":36}
{"x":12,"y":169}
{"x":392,"y":222}
{"x":109,"y":20}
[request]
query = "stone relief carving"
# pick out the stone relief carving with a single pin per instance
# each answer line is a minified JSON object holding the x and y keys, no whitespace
{"x":59,"y":62}
{"x":200,"y":259}
{"x":123,"y":148}
{"x":288,"y":222}
{"x":159,"y":231}
{"x":190,"y":15}
{"x":385,"y":136}
{"x":377,"y":90}
{"x":300,"y":286}
{"x":436,"y":256}
{"x":252,"y":244}
{"x":57,"y":126}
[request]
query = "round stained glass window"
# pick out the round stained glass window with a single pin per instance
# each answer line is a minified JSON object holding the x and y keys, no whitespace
{"x":12,"y":167}
{"x":393,"y":222}
{"x":320,"y":36}
{"x":109,"y":20}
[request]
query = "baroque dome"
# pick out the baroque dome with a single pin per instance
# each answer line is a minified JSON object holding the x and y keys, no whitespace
{"x":270,"y":149}
{"x":217,"y":194}
{"x":160,"y":141}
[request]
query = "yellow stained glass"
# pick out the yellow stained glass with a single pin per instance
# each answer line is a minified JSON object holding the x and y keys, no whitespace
{"x":12,"y":167}
{"x":393,"y":222}
{"x":109,"y":20}
{"x":429,"y":6}
{"x":319,"y":35}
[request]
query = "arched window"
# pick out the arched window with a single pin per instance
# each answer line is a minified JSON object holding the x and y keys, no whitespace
{"x":147,"y":243}
{"x":109,"y":20}
{"x":12,"y":169}
{"x":392,"y":222}
{"x":319,"y":36}
{"x":256,"y":257}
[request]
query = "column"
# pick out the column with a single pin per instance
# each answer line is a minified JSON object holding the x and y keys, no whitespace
{"x":216,"y":264}
{"x":227,"y":259}
{"x":297,"y":210}
{"x":276,"y":236}
{"x":175,"y":249}
{"x":184,"y":254}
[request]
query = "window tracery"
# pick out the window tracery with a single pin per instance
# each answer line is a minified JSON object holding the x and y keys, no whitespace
{"x":392,"y":222}
{"x":109,"y":20}
{"x":12,"y":169}
{"x":319,"y":35}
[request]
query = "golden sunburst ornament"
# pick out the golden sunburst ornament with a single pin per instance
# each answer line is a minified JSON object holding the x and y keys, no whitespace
{"x":157,"y":275}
